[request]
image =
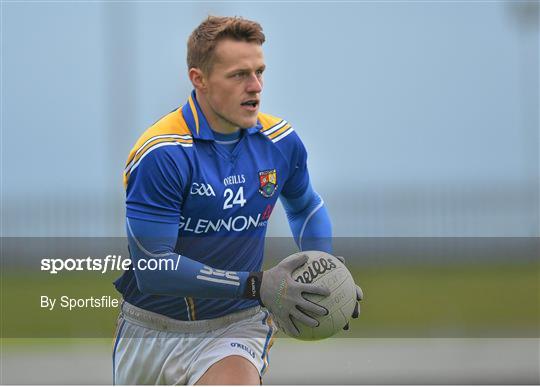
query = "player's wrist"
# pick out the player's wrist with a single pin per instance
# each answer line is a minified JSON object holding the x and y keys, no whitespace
{"x":252,"y":286}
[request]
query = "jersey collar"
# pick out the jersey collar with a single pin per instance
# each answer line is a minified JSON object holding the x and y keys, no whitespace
{"x":197,"y":123}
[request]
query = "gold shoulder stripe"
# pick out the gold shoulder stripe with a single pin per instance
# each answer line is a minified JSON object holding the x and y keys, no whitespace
{"x":153,"y":141}
{"x":279,"y":131}
{"x":171,"y":124}
{"x":171,"y":127}
{"x":272,"y":129}
{"x":144,"y":146}
{"x":155,"y":144}
{"x":268,"y":121}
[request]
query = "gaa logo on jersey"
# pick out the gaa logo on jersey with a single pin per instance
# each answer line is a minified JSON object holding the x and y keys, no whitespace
{"x":267,"y":182}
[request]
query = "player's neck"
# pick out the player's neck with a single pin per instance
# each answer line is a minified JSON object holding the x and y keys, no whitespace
{"x":217,"y":124}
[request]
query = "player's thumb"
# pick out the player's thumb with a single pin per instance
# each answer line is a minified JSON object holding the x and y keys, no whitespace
{"x":359,"y":293}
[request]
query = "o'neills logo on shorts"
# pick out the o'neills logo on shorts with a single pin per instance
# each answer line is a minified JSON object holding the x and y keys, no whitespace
{"x":315,"y":269}
{"x":245,"y":348}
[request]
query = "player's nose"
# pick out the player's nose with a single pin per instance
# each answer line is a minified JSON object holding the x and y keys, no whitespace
{"x":254,"y":84}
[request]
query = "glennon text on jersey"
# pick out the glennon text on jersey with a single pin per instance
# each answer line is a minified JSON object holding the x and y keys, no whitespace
{"x":236,"y":223}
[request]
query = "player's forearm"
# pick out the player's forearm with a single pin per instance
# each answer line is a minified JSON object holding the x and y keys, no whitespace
{"x":309,"y":221}
{"x":178,"y":275}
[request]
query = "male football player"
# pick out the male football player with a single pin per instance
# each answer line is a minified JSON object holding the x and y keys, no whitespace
{"x":201,"y":184}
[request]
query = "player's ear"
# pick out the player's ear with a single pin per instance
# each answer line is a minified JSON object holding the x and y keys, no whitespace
{"x":197,"y":78}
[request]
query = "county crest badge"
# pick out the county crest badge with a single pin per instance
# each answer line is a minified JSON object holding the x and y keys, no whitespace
{"x":267,"y":182}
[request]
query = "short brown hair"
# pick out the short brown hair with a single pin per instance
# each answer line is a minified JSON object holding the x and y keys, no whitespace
{"x":203,"y":40}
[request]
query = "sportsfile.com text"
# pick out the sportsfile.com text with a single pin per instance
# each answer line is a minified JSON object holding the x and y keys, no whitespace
{"x":109,"y":263}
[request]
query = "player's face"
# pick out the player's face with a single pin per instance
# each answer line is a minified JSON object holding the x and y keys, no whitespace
{"x":234,"y":85}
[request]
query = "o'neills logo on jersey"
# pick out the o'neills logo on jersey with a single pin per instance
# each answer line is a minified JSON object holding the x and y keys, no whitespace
{"x":234,"y":179}
{"x":237,"y":223}
{"x":267,"y":182}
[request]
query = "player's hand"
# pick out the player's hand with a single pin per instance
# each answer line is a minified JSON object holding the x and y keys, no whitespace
{"x":359,"y":297}
{"x":283,"y":296}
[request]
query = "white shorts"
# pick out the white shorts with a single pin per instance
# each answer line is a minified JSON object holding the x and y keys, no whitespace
{"x":154,"y":349}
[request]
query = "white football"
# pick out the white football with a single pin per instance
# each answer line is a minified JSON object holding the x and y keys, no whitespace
{"x":325,"y":269}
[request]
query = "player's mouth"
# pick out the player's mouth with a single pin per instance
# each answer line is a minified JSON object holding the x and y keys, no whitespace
{"x":251,"y":105}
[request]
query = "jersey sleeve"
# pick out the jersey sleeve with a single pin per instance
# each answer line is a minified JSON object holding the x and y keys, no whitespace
{"x":309,"y":221}
{"x":156,"y":184}
{"x":184,"y":277}
{"x":298,"y":180}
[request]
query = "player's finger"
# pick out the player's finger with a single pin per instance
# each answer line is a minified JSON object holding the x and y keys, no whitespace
{"x":304,"y":318}
{"x":359,"y":293}
{"x":346,"y":327}
{"x":313,"y":308}
{"x":314,"y":289}
{"x":356,"y":311}
{"x":289,"y":327}
{"x":295,"y":261}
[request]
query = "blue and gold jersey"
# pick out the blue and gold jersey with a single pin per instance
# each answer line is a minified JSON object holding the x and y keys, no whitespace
{"x":220,"y":199}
